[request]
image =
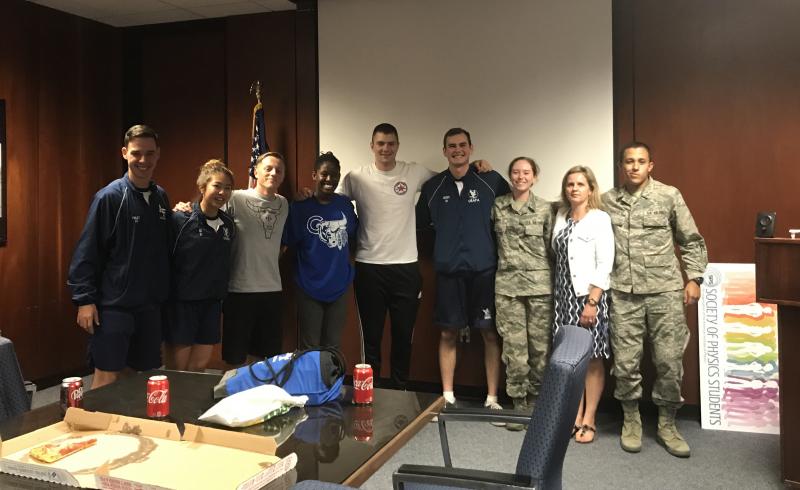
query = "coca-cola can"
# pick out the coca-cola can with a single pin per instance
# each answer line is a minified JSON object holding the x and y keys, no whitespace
{"x":362,"y":384}
{"x":158,"y":397}
{"x":362,"y":423}
{"x":71,"y":393}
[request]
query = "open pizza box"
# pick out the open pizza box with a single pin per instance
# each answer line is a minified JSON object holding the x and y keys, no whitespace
{"x":138,"y":454}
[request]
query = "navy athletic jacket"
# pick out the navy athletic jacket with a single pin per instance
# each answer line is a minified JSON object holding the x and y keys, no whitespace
{"x":122,"y":256}
{"x":201,"y":256}
{"x":464,"y":236}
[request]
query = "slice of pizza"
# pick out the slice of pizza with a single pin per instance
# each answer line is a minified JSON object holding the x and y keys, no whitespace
{"x":52,"y":452}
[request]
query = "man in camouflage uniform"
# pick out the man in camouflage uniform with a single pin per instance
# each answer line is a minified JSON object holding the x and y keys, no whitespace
{"x":523,"y":293}
{"x":648,"y":295}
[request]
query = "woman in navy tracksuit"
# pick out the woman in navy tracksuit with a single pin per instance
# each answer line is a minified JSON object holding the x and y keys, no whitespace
{"x":200,"y":269}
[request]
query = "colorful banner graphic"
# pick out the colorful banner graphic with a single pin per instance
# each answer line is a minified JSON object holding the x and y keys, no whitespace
{"x":738,"y":352}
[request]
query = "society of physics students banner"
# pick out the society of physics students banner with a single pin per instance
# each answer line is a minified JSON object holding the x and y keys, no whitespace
{"x":738,"y":352}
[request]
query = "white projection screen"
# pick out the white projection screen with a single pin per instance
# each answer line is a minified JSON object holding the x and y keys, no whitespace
{"x":525,"y":77}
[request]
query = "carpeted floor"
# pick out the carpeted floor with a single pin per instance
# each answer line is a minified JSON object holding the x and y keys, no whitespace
{"x":720,"y":459}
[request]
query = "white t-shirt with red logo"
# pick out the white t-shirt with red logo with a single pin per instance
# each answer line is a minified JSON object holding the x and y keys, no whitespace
{"x":387,"y":232}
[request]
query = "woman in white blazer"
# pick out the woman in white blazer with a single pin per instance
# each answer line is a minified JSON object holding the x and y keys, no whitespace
{"x":583,"y":243}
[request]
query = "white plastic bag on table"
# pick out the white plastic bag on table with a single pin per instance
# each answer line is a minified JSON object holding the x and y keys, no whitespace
{"x":252,"y":406}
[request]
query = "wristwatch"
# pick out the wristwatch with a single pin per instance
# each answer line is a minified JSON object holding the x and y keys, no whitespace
{"x":698,"y":280}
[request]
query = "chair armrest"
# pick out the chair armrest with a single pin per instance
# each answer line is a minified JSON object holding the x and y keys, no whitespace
{"x":483,"y":415}
{"x":458,"y":477}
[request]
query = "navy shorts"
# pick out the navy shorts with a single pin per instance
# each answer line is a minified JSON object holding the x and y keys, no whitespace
{"x":464,"y":299}
{"x":193,"y":322}
{"x":126,"y":337}
{"x":251,"y":324}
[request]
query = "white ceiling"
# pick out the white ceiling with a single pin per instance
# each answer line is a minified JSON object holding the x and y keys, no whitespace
{"x":124,"y":13}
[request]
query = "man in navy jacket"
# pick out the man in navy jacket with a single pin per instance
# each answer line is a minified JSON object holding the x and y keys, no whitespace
{"x":457,"y":203}
{"x":119,"y":274}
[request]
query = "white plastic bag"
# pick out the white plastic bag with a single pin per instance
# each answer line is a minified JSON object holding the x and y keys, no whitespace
{"x":252,"y":406}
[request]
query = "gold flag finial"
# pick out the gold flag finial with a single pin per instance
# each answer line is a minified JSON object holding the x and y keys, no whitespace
{"x":256,"y":85}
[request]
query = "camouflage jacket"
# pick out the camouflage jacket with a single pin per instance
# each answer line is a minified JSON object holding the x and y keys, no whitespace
{"x":646,"y":230}
{"x":523,"y":246}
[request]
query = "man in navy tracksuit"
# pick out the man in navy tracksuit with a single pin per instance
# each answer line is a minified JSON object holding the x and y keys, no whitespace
{"x":458,"y":204}
{"x":119,"y":274}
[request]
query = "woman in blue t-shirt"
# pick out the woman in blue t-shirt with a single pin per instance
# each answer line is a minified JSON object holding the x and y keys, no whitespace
{"x":320,"y":230}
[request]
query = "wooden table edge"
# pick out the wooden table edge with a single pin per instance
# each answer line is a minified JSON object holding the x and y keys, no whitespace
{"x":362,"y":474}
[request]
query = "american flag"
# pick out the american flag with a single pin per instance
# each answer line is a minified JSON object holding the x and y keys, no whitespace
{"x":259,"y":141}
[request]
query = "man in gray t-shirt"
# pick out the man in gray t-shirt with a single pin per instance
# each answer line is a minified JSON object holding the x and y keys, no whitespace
{"x":252,"y":310}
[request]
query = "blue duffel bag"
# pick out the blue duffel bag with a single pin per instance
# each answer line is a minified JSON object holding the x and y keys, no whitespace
{"x":317,"y":373}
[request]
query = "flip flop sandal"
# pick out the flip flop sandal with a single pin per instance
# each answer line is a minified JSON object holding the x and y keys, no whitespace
{"x":584,"y":429}
{"x":575,"y":430}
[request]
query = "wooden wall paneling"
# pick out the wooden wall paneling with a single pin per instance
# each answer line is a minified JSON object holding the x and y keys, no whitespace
{"x":307,"y":83}
{"x":261,"y":47}
{"x":622,"y":30}
{"x":50,"y":61}
{"x":59,"y":147}
{"x":715,"y":95}
{"x":19,"y":87}
{"x":183,"y":85}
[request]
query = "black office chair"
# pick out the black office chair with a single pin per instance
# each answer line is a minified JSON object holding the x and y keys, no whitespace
{"x":541,"y":457}
{"x":14,"y":398}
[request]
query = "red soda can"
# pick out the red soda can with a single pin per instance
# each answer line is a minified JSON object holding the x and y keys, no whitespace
{"x":157,"y":397}
{"x":71,"y":393}
{"x":362,"y":384}
{"x":362,"y":423}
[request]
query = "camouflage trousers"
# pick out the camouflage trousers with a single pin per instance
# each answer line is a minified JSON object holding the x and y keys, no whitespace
{"x":525,"y":323}
{"x":660,"y":318}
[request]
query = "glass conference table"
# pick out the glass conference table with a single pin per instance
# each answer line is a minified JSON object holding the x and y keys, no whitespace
{"x":337,"y":442}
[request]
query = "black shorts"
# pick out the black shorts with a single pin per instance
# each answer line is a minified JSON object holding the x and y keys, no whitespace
{"x":465,"y":299}
{"x":251,"y":324}
{"x":126,"y":337}
{"x":193,"y":322}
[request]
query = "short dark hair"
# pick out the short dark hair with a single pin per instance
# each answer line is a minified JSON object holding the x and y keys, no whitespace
{"x":454,"y":132}
{"x":385,"y":128}
{"x":534,"y":165}
{"x":630,"y":146}
{"x":140,"y":131}
{"x":273,"y":154}
{"x":327,"y":157}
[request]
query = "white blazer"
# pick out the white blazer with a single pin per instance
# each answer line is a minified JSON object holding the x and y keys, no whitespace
{"x":590,"y":249}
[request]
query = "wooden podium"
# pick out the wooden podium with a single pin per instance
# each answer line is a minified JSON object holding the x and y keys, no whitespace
{"x":778,"y":281}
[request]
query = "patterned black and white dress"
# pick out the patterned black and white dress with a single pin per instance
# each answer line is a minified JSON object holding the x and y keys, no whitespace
{"x":568,"y":306}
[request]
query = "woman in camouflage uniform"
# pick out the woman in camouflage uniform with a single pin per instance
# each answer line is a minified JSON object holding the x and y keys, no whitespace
{"x":522,"y":223}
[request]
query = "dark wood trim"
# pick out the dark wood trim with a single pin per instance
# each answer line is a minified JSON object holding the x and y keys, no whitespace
{"x":3,"y":173}
{"x":622,"y":35}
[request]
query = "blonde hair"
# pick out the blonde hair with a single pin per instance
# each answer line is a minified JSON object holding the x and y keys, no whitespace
{"x":210,"y":168}
{"x":594,"y":201}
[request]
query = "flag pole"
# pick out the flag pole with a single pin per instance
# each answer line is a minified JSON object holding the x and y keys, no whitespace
{"x":257,"y":138}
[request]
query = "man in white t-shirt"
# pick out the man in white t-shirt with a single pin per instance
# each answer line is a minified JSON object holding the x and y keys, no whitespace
{"x":387,"y":274}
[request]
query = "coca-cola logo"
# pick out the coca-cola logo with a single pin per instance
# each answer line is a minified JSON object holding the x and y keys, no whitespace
{"x":362,"y":384}
{"x":77,"y":394}
{"x":157,"y":396}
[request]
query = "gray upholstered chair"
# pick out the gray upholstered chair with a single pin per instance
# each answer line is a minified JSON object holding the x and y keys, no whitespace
{"x":14,"y":398}
{"x":541,"y":457}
